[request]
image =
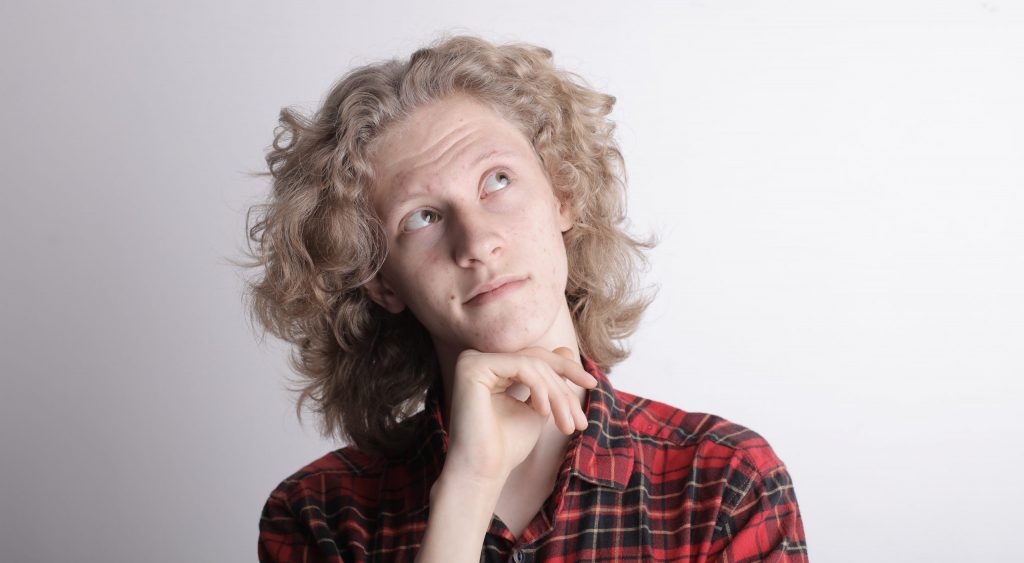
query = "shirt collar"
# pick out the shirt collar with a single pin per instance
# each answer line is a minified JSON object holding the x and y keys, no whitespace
{"x":602,"y":454}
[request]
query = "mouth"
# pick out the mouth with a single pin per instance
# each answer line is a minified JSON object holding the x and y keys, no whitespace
{"x":494,"y":289}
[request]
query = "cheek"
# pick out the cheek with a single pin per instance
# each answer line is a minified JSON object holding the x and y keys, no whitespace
{"x":547,"y":246}
{"x":424,"y":283}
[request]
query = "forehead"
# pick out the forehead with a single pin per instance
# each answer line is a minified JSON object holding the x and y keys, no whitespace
{"x":441,"y":138}
{"x":438,"y":118}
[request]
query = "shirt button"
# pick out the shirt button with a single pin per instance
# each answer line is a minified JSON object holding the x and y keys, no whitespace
{"x":517,"y":557}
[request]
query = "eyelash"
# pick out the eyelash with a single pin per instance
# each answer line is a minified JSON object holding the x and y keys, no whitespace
{"x":498,"y":173}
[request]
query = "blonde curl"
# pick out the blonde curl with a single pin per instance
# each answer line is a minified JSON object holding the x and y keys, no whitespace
{"x":316,"y":241}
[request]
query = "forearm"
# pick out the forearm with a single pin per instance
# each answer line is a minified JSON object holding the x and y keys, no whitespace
{"x":460,"y":513}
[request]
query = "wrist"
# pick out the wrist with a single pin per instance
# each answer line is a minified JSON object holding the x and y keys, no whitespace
{"x":461,"y":509}
{"x":467,"y":483}
{"x":476,"y":469}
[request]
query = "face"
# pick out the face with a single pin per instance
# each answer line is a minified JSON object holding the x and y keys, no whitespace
{"x":474,"y":231}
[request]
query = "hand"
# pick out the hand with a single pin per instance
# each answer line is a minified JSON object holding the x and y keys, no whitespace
{"x":491,"y":432}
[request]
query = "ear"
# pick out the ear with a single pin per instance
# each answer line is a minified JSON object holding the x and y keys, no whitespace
{"x":381,"y":293}
{"x":566,"y":216}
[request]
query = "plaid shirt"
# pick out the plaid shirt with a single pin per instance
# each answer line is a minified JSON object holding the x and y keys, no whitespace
{"x":644,"y":482}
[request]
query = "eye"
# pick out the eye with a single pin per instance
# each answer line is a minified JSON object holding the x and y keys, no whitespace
{"x":496,"y":181}
{"x":419,"y":219}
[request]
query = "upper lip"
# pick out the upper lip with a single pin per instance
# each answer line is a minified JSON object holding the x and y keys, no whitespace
{"x":493,"y":284}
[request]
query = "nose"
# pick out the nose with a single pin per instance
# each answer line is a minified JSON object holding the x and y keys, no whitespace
{"x":476,"y":239}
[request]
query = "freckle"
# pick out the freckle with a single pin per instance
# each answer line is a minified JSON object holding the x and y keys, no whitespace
{"x":451,"y":297}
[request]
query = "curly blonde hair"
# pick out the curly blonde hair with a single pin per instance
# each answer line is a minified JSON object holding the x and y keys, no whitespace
{"x":316,"y":240}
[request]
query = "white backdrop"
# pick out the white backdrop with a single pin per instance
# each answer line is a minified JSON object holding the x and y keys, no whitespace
{"x":838,"y":189}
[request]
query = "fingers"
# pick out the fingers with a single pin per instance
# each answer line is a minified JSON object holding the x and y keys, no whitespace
{"x":563,"y":404}
{"x":540,"y":400}
{"x":563,"y":361}
{"x":563,"y":398}
{"x":572,"y":416}
{"x":550,"y":395}
{"x":564,"y":352}
{"x":545,"y":373}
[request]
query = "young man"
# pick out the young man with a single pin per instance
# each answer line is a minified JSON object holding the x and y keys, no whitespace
{"x":445,"y":233}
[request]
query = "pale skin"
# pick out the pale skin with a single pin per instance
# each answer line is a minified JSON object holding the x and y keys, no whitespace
{"x":476,"y":253}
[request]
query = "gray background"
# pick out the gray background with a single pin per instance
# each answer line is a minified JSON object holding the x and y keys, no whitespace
{"x":838,"y":188}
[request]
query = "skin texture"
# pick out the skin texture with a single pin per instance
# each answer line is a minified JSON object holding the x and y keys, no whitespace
{"x":437,"y":170}
{"x":429,"y":162}
{"x":466,"y":203}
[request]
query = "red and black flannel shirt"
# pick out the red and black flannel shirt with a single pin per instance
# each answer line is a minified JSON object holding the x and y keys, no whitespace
{"x":644,"y":482}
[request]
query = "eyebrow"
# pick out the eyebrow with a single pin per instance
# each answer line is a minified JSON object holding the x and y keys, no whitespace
{"x":487,"y":154}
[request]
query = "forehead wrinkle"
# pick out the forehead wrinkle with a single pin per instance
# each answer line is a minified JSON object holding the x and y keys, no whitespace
{"x":446,"y":158}
{"x":403,"y":184}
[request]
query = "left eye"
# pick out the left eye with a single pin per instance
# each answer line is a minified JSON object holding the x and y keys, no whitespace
{"x":496,"y":181}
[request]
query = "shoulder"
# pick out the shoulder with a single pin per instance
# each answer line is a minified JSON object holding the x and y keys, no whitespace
{"x":304,"y":513}
{"x":352,"y":477}
{"x":738,"y":487}
{"x":342,"y":472}
{"x":669,"y":427}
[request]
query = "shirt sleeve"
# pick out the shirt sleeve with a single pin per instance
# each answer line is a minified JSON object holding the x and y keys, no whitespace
{"x":762,"y":522}
{"x":287,"y":538}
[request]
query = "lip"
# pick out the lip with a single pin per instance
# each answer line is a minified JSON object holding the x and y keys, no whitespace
{"x":494,"y":289}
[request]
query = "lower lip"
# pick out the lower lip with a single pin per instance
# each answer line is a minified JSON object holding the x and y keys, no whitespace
{"x":495,"y":293}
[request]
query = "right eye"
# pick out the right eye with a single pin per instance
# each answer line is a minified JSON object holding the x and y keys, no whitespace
{"x":419,"y":219}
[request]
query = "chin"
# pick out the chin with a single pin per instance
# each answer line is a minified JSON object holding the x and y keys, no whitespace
{"x":502,"y":345}
{"x":511,"y":336}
